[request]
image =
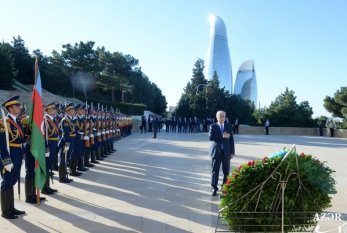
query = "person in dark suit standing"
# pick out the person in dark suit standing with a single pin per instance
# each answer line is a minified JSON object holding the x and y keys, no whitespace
{"x":155,"y":125}
{"x":222,"y":149}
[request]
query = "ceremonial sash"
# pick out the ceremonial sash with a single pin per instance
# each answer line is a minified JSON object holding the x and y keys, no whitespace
{"x":54,"y":126}
{"x":20,"y":131}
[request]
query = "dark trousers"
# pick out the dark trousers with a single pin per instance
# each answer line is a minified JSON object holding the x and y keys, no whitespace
{"x":267,"y":130}
{"x":53,"y":150}
{"x":10,"y":178}
{"x":236,"y":129}
{"x":216,"y":162}
{"x":332,"y":132}
{"x":155,"y":130}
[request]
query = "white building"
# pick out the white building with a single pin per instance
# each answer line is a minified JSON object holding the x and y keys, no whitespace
{"x":218,"y":56}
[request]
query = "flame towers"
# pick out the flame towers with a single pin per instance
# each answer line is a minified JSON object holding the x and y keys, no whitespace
{"x":218,"y":56}
{"x":246,"y":83}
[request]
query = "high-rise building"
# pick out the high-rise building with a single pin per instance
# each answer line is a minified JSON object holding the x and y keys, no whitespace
{"x":218,"y":56}
{"x":246,"y":82}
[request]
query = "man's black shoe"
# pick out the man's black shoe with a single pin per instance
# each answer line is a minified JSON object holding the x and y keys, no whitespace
{"x":52,"y":190}
{"x":75,"y":173}
{"x":214,"y":192}
{"x":33,"y":200}
{"x":89,"y":165}
{"x":82,"y":169}
{"x":96,"y":162}
{"x":65,"y":180}
{"x":9,"y":215}
{"x":47,"y":191}
{"x":17,"y":212}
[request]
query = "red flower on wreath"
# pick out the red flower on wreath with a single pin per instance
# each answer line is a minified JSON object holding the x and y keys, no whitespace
{"x":251,"y":163}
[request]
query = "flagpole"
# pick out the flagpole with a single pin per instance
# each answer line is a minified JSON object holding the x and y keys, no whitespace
{"x":37,"y":189}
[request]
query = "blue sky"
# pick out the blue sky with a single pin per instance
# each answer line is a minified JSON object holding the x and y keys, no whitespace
{"x":297,"y":44}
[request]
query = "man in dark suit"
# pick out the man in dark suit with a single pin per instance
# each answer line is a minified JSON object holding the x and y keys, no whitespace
{"x":155,"y":126}
{"x":222,"y":149}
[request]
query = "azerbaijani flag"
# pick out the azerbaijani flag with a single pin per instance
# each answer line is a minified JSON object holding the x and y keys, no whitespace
{"x":37,"y":136}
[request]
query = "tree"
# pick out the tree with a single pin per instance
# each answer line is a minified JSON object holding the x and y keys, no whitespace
{"x":206,"y":100}
{"x":82,"y":62}
{"x":7,"y":70}
{"x":285,"y":111}
{"x":23,"y":62}
{"x":108,"y":74}
{"x":337,"y":105}
{"x":216,"y":97}
{"x":236,"y":107}
{"x":191,"y":102}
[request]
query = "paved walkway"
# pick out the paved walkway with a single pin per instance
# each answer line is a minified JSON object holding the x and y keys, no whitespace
{"x":160,"y":185}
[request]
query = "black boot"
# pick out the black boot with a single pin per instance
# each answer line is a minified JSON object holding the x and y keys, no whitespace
{"x":87,"y":159}
{"x":30,"y":191}
{"x":63,"y":174}
{"x":6,"y":205}
{"x":73,"y":170}
{"x":98,"y":153}
{"x":112,"y":147}
{"x":14,"y":210}
{"x":105,"y":150}
{"x":80,"y":165}
{"x":46,"y":190}
{"x":93,"y":157}
{"x":109,"y":150}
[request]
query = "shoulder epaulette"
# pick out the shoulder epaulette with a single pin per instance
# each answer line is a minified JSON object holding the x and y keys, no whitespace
{"x":2,"y":128}
{"x":25,"y":121}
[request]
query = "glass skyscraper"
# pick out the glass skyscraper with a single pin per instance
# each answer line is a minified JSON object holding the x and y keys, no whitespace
{"x":246,"y":82}
{"x":218,"y":56}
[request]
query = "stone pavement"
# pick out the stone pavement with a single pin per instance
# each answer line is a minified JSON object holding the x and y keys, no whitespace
{"x":160,"y":185}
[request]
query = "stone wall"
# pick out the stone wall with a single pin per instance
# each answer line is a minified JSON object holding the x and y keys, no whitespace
{"x":340,"y":133}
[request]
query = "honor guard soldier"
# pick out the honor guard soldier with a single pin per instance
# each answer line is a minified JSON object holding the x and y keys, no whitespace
{"x":93,"y":134}
{"x":88,"y":137}
{"x":11,"y":150}
{"x":52,"y":138}
{"x":104,"y":153}
{"x":30,"y":189}
{"x":98,"y":141}
{"x":57,"y":119}
{"x":66,"y":143}
{"x":79,"y":142}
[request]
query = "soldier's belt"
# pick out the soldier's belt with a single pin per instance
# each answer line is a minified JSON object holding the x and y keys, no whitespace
{"x":16,"y":145}
{"x":72,"y":135}
{"x":52,"y":139}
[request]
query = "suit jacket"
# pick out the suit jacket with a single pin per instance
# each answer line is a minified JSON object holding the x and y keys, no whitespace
{"x":217,"y":140}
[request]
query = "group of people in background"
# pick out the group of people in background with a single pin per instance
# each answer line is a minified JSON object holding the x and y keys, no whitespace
{"x":76,"y":137}
{"x":181,"y":124}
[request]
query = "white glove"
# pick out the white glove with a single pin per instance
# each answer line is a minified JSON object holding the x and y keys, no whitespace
{"x":98,"y":134}
{"x":85,"y":138}
{"x":103,"y":132}
{"x":91,"y":135}
{"x":66,"y":148}
{"x":47,"y":154}
{"x":8,"y":167}
{"x":107,"y":131}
